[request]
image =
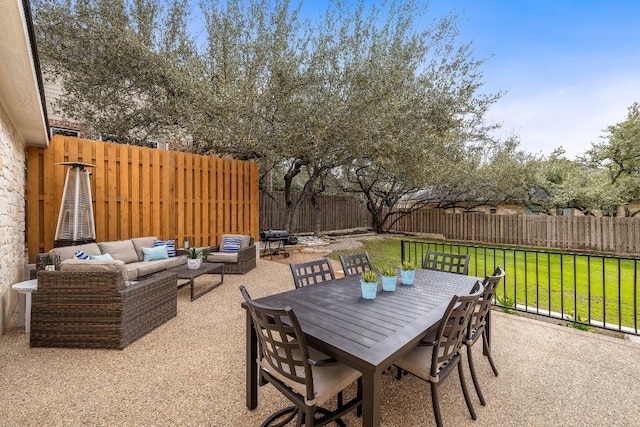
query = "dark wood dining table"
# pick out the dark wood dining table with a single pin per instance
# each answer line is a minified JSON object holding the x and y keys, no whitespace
{"x":368,"y":335}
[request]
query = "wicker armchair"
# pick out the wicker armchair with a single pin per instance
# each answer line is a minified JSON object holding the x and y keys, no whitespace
{"x":98,"y":309}
{"x":245,"y":260}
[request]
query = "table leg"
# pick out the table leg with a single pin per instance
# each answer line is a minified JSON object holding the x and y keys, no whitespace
{"x":21,"y":302}
{"x":27,"y":312}
{"x":251,"y":363}
{"x":209,"y":289}
{"x":371,"y":395}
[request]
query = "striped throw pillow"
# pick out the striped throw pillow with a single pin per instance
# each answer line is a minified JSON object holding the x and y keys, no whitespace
{"x":170,"y":244}
{"x":81,"y":255}
{"x":231,"y":244}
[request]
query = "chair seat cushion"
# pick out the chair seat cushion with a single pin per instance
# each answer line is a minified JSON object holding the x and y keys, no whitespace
{"x":223,"y":257}
{"x":328,"y":380}
{"x":417,"y":361}
{"x":176,"y":261}
{"x":144,"y":268}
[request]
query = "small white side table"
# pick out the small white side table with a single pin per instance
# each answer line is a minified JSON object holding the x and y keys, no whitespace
{"x":24,"y":309}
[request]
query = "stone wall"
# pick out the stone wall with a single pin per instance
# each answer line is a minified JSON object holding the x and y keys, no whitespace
{"x":12,"y":216}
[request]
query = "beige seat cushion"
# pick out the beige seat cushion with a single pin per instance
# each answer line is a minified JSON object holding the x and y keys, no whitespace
{"x":328,"y":381}
{"x":120,"y":249}
{"x":176,"y":261}
{"x":142,"y":242}
{"x":417,"y":361}
{"x":67,"y":252}
{"x":91,"y":266}
{"x":223,"y":257}
{"x":144,"y":268}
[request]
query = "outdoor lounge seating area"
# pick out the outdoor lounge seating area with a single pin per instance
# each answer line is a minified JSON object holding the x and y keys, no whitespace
{"x":108,"y":294}
{"x":549,"y":374}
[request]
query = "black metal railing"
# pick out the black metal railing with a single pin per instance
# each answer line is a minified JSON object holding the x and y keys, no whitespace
{"x":591,"y":290}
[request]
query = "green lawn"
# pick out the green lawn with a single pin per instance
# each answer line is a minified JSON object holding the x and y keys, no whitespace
{"x":577,"y":285}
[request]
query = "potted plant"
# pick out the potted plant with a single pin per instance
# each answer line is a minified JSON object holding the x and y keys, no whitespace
{"x":407,"y":272}
{"x":194,"y":260}
{"x":369,"y":284}
{"x":389,"y":276}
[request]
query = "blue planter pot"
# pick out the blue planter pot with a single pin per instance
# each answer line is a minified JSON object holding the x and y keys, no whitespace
{"x":407,"y":276}
{"x":389,"y":283}
{"x":368,"y":289}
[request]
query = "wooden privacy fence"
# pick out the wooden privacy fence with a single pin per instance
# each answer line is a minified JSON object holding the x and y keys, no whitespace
{"x":140,"y":191}
{"x":600,"y":234}
{"x":335,"y":213}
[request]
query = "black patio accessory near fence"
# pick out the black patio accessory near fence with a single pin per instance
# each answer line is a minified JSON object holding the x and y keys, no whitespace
{"x":276,"y":241}
{"x":76,"y":224}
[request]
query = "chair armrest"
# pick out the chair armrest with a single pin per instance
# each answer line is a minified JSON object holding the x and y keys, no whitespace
{"x":247,"y":253}
{"x":42,"y":260}
{"x":324,"y":362}
{"x":155,"y":279}
{"x":150,"y":292}
{"x":89,"y":282}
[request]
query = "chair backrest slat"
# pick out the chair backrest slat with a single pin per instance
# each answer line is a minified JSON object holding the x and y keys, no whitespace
{"x":479,"y":319}
{"x":310,"y":273}
{"x":442,"y":261}
{"x":281,"y":342}
{"x":452,"y":329}
{"x":355,"y":264}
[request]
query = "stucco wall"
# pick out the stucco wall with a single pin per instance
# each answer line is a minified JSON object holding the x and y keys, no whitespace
{"x":12,"y":216}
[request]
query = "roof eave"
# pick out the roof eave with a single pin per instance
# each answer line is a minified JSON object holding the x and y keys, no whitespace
{"x":20,"y":77}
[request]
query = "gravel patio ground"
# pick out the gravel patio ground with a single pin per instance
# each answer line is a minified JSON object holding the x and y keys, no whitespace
{"x":190,"y":372}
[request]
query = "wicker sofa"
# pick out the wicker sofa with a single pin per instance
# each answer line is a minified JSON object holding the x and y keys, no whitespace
{"x":129,"y":251}
{"x":99,"y":309}
{"x":102,"y":303}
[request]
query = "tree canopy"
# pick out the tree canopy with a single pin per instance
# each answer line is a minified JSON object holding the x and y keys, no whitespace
{"x":379,"y":99}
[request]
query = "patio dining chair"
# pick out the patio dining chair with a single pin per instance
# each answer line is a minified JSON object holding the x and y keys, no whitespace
{"x":435,"y":360}
{"x":479,"y":328}
{"x":312,"y":272}
{"x":306,"y":376}
{"x":442,"y":261}
{"x":355,"y":264}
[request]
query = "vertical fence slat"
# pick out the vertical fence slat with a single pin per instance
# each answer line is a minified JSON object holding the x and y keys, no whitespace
{"x":138,"y":191}
{"x":601,"y":234}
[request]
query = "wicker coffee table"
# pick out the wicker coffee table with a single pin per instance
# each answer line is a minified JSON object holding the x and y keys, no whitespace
{"x":183,"y":272}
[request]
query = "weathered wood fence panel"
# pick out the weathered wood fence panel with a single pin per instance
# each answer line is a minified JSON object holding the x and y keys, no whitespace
{"x":335,"y":213}
{"x":140,"y":191}
{"x":600,"y":234}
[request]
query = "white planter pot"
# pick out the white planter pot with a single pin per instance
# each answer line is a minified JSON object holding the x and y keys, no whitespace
{"x":194,"y":264}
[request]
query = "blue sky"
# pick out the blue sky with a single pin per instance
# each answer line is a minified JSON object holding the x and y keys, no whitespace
{"x":569,"y":68}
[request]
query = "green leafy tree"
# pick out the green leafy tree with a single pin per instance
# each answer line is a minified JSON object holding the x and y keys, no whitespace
{"x":415,"y":104}
{"x":124,"y":67}
{"x":369,"y":94}
{"x":619,"y":156}
{"x":575,"y":184}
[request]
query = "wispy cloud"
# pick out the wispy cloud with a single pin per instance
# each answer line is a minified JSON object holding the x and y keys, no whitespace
{"x":572,"y":116}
